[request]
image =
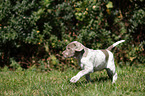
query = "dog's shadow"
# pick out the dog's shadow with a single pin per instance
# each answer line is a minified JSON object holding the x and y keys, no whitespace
{"x":95,"y":80}
{"x":100,"y":79}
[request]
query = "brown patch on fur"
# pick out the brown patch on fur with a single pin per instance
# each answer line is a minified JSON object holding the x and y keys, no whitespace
{"x":110,"y":47}
{"x":106,"y":54}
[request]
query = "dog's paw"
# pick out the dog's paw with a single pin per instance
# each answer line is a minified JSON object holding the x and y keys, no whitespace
{"x":74,"y":79}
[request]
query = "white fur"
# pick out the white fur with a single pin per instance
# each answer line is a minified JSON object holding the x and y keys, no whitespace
{"x":96,"y":61}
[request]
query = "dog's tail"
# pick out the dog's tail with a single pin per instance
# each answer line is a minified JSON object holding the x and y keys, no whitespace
{"x":112,"y":46}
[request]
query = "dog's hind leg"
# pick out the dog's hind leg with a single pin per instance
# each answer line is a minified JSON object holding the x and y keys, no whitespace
{"x":112,"y":74}
{"x":114,"y":78}
{"x":111,"y":69}
{"x":88,"y":77}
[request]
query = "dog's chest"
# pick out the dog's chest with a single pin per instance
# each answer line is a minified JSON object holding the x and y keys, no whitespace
{"x":95,"y":58}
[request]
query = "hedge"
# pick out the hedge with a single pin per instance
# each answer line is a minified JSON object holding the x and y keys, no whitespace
{"x":35,"y":32}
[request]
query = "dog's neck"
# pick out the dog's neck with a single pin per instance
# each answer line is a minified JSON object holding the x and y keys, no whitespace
{"x":78,"y":54}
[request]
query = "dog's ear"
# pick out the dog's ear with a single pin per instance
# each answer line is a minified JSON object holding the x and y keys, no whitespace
{"x":78,"y":46}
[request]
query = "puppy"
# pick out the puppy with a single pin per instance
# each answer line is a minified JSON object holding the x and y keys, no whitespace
{"x":91,"y":60}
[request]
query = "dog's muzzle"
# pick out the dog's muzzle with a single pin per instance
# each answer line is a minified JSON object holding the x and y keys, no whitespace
{"x":64,"y":54}
{"x":67,"y":54}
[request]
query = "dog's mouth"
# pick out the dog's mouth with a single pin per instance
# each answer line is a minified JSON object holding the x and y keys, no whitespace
{"x":67,"y":55}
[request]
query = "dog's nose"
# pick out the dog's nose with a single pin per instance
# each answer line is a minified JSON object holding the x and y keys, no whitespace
{"x":63,"y":53}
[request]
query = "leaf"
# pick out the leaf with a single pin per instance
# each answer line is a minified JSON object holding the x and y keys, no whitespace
{"x":109,"y":5}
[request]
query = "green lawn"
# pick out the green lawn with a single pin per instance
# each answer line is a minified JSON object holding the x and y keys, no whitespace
{"x":131,"y":82}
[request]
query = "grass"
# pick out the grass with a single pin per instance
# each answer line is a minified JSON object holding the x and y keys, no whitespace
{"x":131,"y":82}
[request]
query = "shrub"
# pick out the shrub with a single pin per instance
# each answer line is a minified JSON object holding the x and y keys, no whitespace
{"x":34,"y":32}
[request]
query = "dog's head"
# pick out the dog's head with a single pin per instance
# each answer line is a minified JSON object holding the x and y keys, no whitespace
{"x":72,"y":48}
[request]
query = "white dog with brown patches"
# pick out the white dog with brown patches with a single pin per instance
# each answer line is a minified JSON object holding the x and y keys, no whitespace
{"x":92,"y":60}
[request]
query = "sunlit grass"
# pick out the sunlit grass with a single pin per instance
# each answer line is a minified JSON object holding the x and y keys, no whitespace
{"x":131,"y":81}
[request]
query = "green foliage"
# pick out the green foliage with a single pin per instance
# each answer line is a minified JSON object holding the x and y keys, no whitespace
{"x":5,"y":69}
{"x":42,"y":66}
{"x":15,"y":65}
{"x":42,"y":29}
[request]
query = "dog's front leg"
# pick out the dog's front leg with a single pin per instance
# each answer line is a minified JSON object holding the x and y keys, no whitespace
{"x":80,"y":74}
